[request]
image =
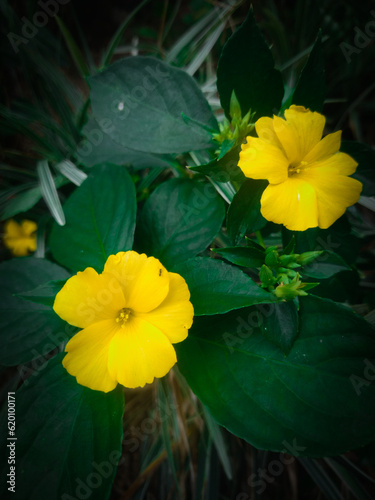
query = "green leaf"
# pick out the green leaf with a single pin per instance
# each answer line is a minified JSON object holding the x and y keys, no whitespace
{"x":244,"y":212}
{"x":325,"y":266}
{"x":223,"y":169}
{"x":281,"y":327}
{"x":311,"y":88}
{"x":71,"y":172}
{"x":100,"y":220}
{"x":49,"y":192}
{"x":144,"y":98}
{"x":246,"y":66}
{"x":242,"y":256}
{"x":97,"y":147}
{"x":317,"y":401}
{"x":289,"y":247}
{"x":28,"y":330}
{"x":365,"y":156}
{"x":68,"y":437}
{"x":44,"y":294}
{"x":179,"y":220}
{"x":217,"y":287}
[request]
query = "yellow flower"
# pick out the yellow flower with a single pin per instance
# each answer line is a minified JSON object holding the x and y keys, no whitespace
{"x":308,"y":176}
{"x":131,"y":314}
{"x":20,"y":238}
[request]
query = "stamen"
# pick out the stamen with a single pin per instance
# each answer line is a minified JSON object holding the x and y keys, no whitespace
{"x":123,"y":316}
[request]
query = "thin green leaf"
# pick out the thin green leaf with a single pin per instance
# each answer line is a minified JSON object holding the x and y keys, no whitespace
{"x":49,"y":192}
{"x":71,"y":172}
{"x":321,"y":478}
{"x":74,"y":51}
{"x":217,"y":438}
{"x":118,"y":35}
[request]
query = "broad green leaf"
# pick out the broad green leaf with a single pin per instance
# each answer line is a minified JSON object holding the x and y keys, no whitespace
{"x":97,"y":147}
{"x":365,"y":156}
{"x":68,"y":437}
{"x":246,"y":66}
{"x":281,"y":327}
{"x":217,"y":287}
{"x":44,"y":294}
{"x":244,"y":212}
{"x":179,"y":220}
{"x":242,"y":256}
{"x":311,"y":88}
{"x":325,"y":266}
{"x":100,"y":220}
{"x":28,"y":330}
{"x":317,"y":401}
{"x":144,"y":99}
{"x":223,"y":169}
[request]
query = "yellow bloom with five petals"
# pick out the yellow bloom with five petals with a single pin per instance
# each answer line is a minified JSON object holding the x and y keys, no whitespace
{"x":20,"y":238}
{"x":309,"y":183}
{"x":131,"y":314}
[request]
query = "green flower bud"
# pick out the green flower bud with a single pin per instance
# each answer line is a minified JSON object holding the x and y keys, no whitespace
{"x":291,"y":290}
{"x":305,"y":258}
{"x":266,"y":276}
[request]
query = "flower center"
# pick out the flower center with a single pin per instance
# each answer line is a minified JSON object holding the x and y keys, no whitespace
{"x":123,"y":316}
{"x":296,"y":167}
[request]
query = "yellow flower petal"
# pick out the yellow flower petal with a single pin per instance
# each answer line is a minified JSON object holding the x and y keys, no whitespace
{"x":334,"y":193}
{"x":28,"y":227}
{"x":292,"y":203}
{"x":339,"y":164}
{"x":266,"y":132}
{"x":175,"y":314}
{"x":329,"y":145}
{"x":261,"y":160}
{"x":144,"y":280}
{"x":301,"y":130}
{"x":138,"y":353}
{"x":20,"y":239}
{"x":87,"y":357}
{"x":89,"y":297}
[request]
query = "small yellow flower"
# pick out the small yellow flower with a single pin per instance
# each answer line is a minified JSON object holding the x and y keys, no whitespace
{"x":308,"y":176}
{"x":131,"y":314}
{"x":20,"y":238}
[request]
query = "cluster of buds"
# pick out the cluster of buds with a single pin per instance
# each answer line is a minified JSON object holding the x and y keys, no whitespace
{"x":280,"y":276}
{"x":235,"y":130}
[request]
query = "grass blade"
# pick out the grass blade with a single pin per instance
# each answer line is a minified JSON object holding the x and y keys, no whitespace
{"x":71,"y":172}
{"x":217,"y":438}
{"x":118,"y":35}
{"x":74,"y":51}
{"x":49,"y":192}
{"x":321,"y":478}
